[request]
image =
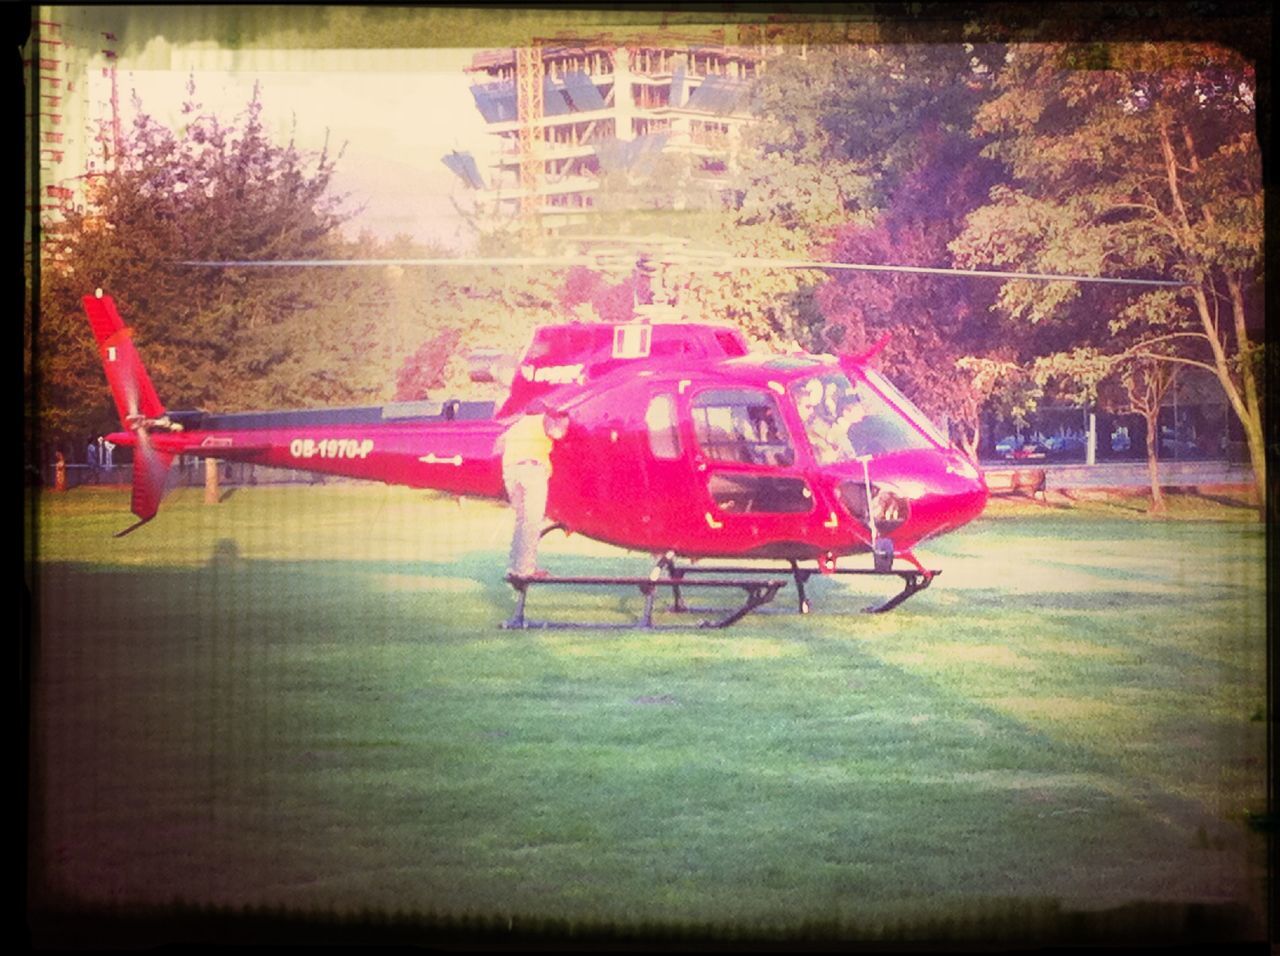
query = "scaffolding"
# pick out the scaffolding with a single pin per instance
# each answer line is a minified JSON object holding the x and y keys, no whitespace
{"x":564,"y":111}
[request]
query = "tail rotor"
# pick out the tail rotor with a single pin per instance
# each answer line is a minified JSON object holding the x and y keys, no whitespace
{"x":150,"y":471}
{"x":137,"y":404}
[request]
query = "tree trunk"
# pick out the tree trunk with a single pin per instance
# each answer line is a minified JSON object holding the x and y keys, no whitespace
{"x":1249,"y":386}
{"x":1246,"y":406}
{"x":1153,"y":461}
{"x":1256,"y":442}
{"x":970,"y":438}
{"x":1243,"y":400}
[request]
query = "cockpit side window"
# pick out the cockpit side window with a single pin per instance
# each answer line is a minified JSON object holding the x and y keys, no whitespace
{"x":664,"y":432}
{"x":743,"y":426}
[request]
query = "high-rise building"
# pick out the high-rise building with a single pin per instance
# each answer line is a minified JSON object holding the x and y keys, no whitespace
{"x":72,"y":111}
{"x":576,"y":109}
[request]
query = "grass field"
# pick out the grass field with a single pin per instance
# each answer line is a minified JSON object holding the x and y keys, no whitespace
{"x":300,"y":698}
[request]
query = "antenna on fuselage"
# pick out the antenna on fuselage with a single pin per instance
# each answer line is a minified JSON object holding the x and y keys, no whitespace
{"x":655,"y":296}
{"x":642,"y":290}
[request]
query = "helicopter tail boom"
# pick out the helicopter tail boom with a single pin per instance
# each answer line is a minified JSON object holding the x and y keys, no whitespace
{"x":446,"y":446}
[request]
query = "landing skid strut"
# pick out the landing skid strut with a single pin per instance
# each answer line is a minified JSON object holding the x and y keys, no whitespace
{"x":757,"y":593}
{"x":913,"y":580}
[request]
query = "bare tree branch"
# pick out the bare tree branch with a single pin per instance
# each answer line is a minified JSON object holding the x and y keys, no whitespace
{"x":1156,"y":356}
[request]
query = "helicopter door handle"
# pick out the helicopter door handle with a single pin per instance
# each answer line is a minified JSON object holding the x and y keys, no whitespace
{"x":431,"y":459}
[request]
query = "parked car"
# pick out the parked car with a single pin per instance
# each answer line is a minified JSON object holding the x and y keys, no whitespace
{"x":1005,"y":446}
{"x":1063,"y":446}
{"x":1031,"y":450}
{"x":1020,"y":449}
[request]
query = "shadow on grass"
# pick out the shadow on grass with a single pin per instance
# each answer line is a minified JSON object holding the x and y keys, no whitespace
{"x":1003,"y":921}
{"x":1076,"y":601}
{"x":274,"y":600}
{"x":1184,"y":503}
{"x":1224,"y":500}
{"x":271,"y":600}
{"x":248,"y":615}
{"x":472,"y":588}
{"x":1015,"y":499}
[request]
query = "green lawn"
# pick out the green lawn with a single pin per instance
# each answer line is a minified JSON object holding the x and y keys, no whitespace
{"x":300,"y":698}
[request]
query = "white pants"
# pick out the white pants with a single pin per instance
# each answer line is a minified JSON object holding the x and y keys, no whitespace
{"x":527,"y":490}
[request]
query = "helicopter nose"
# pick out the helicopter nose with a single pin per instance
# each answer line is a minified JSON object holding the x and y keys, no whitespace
{"x":968,"y":489}
{"x":916,"y":496}
{"x":953,"y":495}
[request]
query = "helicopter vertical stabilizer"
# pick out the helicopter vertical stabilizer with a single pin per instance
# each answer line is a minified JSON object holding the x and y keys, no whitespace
{"x":130,"y":385}
{"x":136,"y":401}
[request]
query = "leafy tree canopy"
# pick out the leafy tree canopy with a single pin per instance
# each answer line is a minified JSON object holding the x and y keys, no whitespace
{"x":210,"y":190}
{"x":239,"y":338}
{"x":1138,"y":160}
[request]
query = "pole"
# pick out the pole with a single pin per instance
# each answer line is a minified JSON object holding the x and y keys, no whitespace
{"x":211,"y":481}
{"x":1091,"y":447}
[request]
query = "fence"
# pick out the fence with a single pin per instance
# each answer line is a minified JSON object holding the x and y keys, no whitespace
{"x":188,"y":472}
{"x":1060,"y":435}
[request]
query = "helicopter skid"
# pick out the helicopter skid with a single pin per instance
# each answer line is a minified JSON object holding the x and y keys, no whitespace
{"x":757,"y":594}
{"x":913,"y":580}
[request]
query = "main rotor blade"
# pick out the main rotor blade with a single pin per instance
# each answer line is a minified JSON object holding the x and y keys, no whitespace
{"x":686,"y":259}
{"x":744,"y":263}
{"x":339,"y":263}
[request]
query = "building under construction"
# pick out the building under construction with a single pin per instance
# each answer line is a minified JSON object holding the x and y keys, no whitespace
{"x":73,"y":114}
{"x":566,"y":112}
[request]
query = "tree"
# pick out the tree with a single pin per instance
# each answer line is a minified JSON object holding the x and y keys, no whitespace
{"x":1128,"y":383}
{"x":424,"y":370}
{"x":998,"y":385}
{"x":1145,"y":383}
{"x":869,"y":158}
{"x":212,"y":338}
{"x":586,"y":293}
{"x":934,"y":323}
{"x":1136,"y":160}
{"x":794,"y":186}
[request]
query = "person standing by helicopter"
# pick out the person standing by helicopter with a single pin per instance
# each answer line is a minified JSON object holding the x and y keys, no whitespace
{"x":91,"y":459}
{"x":526,"y":472}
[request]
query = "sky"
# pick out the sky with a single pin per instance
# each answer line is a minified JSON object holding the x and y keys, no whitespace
{"x":394,"y":124}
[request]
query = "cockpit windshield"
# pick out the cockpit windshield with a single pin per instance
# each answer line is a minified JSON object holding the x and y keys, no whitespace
{"x":886,"y":388}
{"x":844,"y":421}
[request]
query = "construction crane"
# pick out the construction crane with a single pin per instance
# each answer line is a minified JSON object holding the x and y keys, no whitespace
{"x":529,"y":111}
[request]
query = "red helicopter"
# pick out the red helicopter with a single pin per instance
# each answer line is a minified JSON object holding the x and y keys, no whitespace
{"x":681,"y":443}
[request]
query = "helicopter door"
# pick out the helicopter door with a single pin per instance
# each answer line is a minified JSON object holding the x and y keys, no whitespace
{"x":667,"y":469}
{"x":747,"y":460}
